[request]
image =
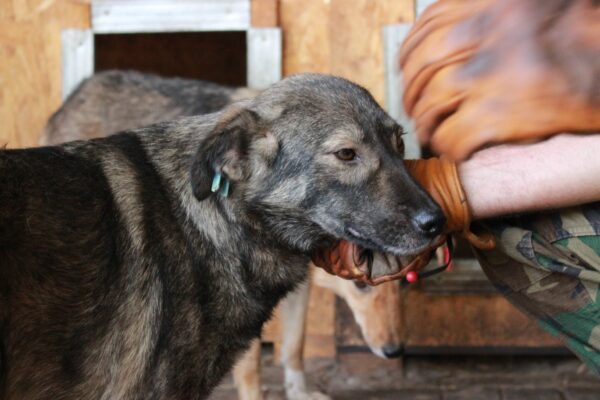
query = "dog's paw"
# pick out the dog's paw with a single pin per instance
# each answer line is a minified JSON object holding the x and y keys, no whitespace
{"x":303,"y":395}
{"x":295,"y":387}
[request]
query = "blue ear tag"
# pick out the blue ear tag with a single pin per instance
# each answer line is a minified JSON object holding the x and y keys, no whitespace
{"x":225,"y":188}
{"x":216,"y":183}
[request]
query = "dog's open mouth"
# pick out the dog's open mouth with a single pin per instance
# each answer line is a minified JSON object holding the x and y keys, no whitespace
{"x":377,"y":261}
{"x":346,"y":250}
{"x":369,"y":244}
{"x":361,"y":240}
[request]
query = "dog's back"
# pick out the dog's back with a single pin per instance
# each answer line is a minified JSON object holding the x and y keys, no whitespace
{"x":55,"y":233}
{"x":79,"y":294}
{"x":113,"y":101}
{"x":104,"y":280}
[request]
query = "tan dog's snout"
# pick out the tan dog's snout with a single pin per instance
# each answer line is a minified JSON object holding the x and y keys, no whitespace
{"x":376,"y":310}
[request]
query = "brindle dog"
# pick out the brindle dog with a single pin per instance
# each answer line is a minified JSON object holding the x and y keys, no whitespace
{"x":124,"y":276}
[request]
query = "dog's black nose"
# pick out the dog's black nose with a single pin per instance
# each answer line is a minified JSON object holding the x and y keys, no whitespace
{"x":431,"y":223}
{"x":391,"y":350}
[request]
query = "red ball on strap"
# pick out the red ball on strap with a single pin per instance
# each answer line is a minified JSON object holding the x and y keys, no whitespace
{"x":412,"y":277}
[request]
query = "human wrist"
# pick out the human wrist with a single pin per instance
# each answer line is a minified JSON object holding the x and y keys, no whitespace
{"x":440,"y":178}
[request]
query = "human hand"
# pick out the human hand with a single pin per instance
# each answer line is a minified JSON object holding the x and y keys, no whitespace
{"x":487,"y":71}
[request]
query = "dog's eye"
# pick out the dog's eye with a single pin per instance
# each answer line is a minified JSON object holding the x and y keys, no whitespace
{"x":399,"y":144}
{"x":345,"y":154}
{"x":363,"y":287}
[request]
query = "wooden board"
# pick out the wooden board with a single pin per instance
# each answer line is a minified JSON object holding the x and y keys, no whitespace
{"x":464,"y":320}
{"x":265,"y":13}
{"x":341,"y":37}
{"x":320,"y":326}
{"x":30,"y":67}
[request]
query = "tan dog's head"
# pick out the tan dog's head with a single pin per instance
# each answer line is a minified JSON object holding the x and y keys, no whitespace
{"x":376,"y":310}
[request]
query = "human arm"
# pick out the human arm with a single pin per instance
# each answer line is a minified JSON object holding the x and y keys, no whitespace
{"x":480,"y":72}
{"x":486,"y":72}
{"x":516,"y":178}
{"x":501,"y":180}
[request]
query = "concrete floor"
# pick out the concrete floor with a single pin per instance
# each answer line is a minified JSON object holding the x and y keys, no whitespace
{"x":363,"y":376}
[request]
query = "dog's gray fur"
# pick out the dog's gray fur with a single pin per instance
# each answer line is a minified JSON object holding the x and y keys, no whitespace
{"x":123,"y":276}
{"x":113,"y":101}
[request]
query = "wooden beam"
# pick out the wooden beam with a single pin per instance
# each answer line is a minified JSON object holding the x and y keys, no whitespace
{"x":340,"y":37}
{"x":140,"y":16}
{"x":264,"y":57}
{"x":393,"y":36}
{"x":77,"y":58}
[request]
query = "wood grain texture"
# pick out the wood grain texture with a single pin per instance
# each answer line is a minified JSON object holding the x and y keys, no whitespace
{"x":30,"y":67}
{"x":320,"y":329}
{"x":320,"y":326}
{"x":356,"y":37}
{"x":340,"y":37}
{"x":464,"y":320}
{"x":347,"y":331}
{"x":265,"y":13}
{"x":305,"y":27}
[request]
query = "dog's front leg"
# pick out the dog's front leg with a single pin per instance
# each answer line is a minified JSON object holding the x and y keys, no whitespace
{"x":246,"y":374}
{"x":293,"y":318}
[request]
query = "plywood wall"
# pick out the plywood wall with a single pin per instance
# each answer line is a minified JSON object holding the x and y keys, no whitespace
{"x":341,"y":37}
{"x":30,"y":63}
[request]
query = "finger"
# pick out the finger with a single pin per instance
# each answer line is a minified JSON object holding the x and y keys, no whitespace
{"x":440,"y":73}
{"x":442,"y":15}
{"x":429,"y":121}
{"x":383,"y":279}
{"x":428,"y":60}
{"x":441,"y":96}
{"x":328,"y":258}
{"x":437,"y":83}
{"x":481,"y":120}
{"x":463,"y":132}
{"x":417,"y":264}
{"x":350,"y":258}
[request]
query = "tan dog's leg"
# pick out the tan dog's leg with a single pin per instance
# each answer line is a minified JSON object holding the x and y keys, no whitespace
{"x":293,"y":318}
{"x":246,"y":374}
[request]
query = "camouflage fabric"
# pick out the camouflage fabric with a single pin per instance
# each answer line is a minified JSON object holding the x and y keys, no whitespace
{"x":548,"y":265}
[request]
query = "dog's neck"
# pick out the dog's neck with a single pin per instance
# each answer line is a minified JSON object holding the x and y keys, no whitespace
{"x":243,"y":239}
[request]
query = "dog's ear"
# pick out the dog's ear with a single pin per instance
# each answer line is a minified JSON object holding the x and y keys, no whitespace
{"x":225,"y":150}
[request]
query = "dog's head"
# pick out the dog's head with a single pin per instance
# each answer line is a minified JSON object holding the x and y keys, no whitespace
{"x":315,"y":157}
